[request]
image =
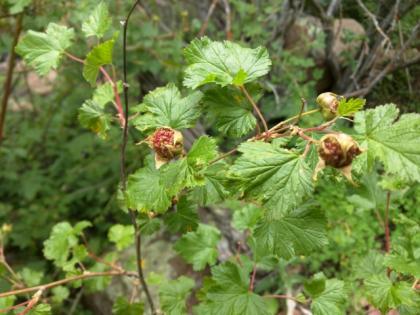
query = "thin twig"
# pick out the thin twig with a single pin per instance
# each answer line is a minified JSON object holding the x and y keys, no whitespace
{"x":83,"y":276}
{"x":387,"y":233}
{"x":255,"y":106}
{"x":252,"y":282}
{"x":207,"y":19}
{"x":228,"y":27}
{"x":33,"y":302}
{"x":374,"y":21}
{"x":11,"y":308}
{"x":137,"y":235}
{"x":118,"y":104}
{"x":7,"y":87}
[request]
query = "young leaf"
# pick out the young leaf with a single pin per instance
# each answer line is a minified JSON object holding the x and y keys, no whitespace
{"x":43,"y":51}
{"x":199,"y":248}
{"x":278,"y":177}
{"x":331,"y":300}
{"x":223,"y":63}
{"x":299,"y":231}
{"x":173,"y":295}
{"x":121,"y":235}
{"x":146,"y":190}
{"x":124,"y":307}
{"x":184,"y":218}
{"x":348,"y":107}
{"x":246,"y":217}
{"x":229,"y":293}
{"x":230,"y":111}
{"x":188,"y":171}
{"x":214,"y":189}
{"x":164,"y":107}
{"x":61,"y":240}
{"x":41,"y":309}
{"x":92,"y":116}
{"x":18,"y":6}
{"x":98,"y":22}
{"x":99,"y":56}
{"x":386,"y":295}
{"x":395,"y":144}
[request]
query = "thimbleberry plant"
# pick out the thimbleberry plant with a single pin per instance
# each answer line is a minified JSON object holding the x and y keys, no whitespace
{"x":270,"y":173}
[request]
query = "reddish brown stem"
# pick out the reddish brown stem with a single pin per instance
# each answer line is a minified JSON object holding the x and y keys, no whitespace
{"x":85,"y":275}
{"x":113,"y":84}
{"x":252,"y":282}
{"x":7,"y":87}
{"x":207,"y":19}
{"x":11,"y":308}
{"x":387,"y":233}
{"x":255,"y":106}
{"x":32,"y":302}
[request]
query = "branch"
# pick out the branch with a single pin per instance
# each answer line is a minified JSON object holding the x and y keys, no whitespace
{"x":7,"y":87}
{"x":374,"y":21}
{"x":32,"y":302}
{"x":228,"y":27}
{"x":85,"y":275}
{"x":118,"y":105}
{"x":207,"y":19}
{"x":137,"y":236}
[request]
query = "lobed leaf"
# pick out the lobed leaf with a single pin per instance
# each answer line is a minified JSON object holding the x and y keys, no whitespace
{"x":43,"y":50}
{"x":165,"y":107}
{"x":98,"y":22}
{"x":223,"y":63}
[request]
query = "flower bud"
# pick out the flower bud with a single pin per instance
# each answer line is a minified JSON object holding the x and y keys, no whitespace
{"x":338,"y":151}
{"x":329,"y":104}
{"x":167,"y":144}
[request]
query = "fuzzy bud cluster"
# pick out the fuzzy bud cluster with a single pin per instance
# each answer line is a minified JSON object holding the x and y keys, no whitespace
{"x":167,"y":144}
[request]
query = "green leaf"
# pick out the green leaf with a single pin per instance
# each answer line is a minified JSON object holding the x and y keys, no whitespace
{"x":386,"y":295}
{"x":199,"y":248}
{"x":316,"y":285}
{"x":98,"y":22}
{"x":60,"y":294}
{"x":18,"y":6}
{"x":229,"y":293}
{"x":395,"y":144}
{"x":165,"y":107}
{"x":278,"y":177}
{"x":173,"y":295}
{"x":189,"y":171}
{"x":148,"y":225}
{"x":230,"y":111}
{"x":31,"y":277}
{"x":331,"y":301}
{"x":246,"y":217}
{"x":214,"y":189}
{"x":104,"y":93}
{"x":62,"y":246}
{"x":41,"y":309}
{"x":404,"y":264}
{"x":146,"y":190}
{"x":92,"y":116}
{"x":202,"y":152}
{"x":370,"y":264}
{"x":123,"y":307}
{"x":43,"y":51}
{"x":99,"y":56}
{"x":348,"y":107}
{"x":121,"y":235}
{"x":223,"y":63}
{"x":300,"y":231}
{"x":184,"y":218}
